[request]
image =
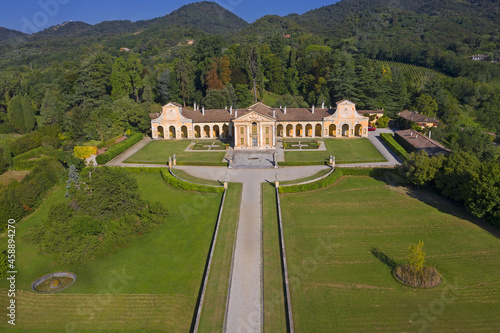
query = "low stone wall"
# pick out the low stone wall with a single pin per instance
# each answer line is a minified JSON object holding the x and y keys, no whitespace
{"x":50,"y":276}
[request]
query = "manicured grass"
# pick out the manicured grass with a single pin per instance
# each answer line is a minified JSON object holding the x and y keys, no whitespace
{"x":358,"y":150}
{"x":151,"y":285}
{"x":338,"y":284}
{"x":209,"y":145}
{"x":274,"y":301}
{"x":300,"y":144}
{"x":186,"y":176}
{"x":214,"y":306}
{"x":159,"y":151}
{"x":305,"y":179}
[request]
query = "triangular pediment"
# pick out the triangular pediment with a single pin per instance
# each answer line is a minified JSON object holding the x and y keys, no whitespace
{"x":345,"y":102}
{"x":253,"y":116}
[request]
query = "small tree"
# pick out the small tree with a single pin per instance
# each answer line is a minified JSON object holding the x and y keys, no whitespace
{"x":417,"y":256}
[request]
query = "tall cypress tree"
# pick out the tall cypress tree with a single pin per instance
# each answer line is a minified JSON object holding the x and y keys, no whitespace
{"x":28,"y":114}
{"x":16,"y":114}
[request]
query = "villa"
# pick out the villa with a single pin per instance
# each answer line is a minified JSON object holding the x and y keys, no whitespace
{"x":259,"y":125}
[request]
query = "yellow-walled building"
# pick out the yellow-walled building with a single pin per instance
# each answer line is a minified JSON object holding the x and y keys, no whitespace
{"x":258,"y":126}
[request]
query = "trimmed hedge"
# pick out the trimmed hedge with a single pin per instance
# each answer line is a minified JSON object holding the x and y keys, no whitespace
{"x":302,"y":163}
{"x":224,"y":164}
{"x":143,"y":170}
{"x":118,"y":148}
{"x":394,"y":146}
{"x":187,"y":186}
{"x":332,"y":178}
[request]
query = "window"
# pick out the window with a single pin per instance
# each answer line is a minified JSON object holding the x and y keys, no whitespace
{"x":242,"y":141}
{"x":241,"y":130}
{"x":254,"y":128}
{"x":267,"y":139}
{"x":267,"y":130}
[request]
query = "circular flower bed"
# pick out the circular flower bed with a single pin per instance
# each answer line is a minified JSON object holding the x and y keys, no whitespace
{"x":426,"y":278}
{"x":53,"y":282}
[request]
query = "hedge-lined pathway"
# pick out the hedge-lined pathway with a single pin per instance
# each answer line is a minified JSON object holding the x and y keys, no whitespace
{"x":244,"y":312}
{"x":120,"y":159}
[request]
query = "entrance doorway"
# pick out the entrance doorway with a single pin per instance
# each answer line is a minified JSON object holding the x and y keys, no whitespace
{"x":254,"y":142}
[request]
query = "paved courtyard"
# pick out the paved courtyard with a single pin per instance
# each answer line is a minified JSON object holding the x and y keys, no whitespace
{"x":253,"y":159}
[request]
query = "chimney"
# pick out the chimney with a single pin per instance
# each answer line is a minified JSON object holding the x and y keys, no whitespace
{"x":194,"y":107}
{"x":225,"y":107}
{"x":231,"y":110}
{"x":323,"y":105}
{"x":313,"y":109}
{"x":430,"y":132}
{"x":274,"y":113}
{"x":203,"y":110}
{"x":284,"y":110}
{"x":280,"y":107}
{"x":235,"y":113}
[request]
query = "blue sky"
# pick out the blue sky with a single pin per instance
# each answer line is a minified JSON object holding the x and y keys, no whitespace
{"x":30,"y":15}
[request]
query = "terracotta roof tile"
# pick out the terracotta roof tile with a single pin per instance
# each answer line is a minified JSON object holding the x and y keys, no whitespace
{"x":421,"y":142}
{"x":417,"y":117}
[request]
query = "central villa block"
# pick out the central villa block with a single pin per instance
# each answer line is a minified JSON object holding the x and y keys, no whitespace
{"x":259,"y":126}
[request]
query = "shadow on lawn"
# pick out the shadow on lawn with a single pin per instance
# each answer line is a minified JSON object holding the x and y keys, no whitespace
{"x":384,"y":258}
{"x":431,"y":197}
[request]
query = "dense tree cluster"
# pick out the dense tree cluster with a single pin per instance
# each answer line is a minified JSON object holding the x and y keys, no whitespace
{"x":464,"y":176}
{"x":103,"y":212}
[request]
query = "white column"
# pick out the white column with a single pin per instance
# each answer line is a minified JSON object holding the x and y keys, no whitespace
{"x":274,"y":134}
{"x":260,"y":136}
{"x":304,"y":129}
{"x":294,"y":131}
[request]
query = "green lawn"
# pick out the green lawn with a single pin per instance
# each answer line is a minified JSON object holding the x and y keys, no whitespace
{"x":336,"y":242}
{"x":359,"y":150}
{"x":305,"y":179}
{"x":209,"y":145}
{"x":186,"y":176}
{"x":214,"y":307}
{"x":151,"y":285}
{"x":159,"y":151}
{"x":274,"y":306}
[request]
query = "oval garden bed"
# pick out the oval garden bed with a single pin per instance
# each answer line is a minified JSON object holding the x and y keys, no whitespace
{"x":53,"y":282}
{"x":427,"y":278}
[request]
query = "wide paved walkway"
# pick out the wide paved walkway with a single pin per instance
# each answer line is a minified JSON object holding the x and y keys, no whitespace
{"x":245,"y":309}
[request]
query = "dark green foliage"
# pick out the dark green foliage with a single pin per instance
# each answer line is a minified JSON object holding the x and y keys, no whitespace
{"x":16,"y":115}
{"x":118,"y":148}
{"x":25,"y":143}
{"x":327,"y":181}
{"x":462,"y":177}
{"x":475,"y":141}
{"x":4,"y":267}
{"x":51,"y":110}
{"x":104,"y":212}
{"x":393,"y":145}
{"x":187,"y":186}
{"x":5,"y":158}
{"x":420,"y":169}
{"x":20,"y":199}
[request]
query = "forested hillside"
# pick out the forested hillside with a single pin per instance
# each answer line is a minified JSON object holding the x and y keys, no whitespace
{"x":97,"y":81}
